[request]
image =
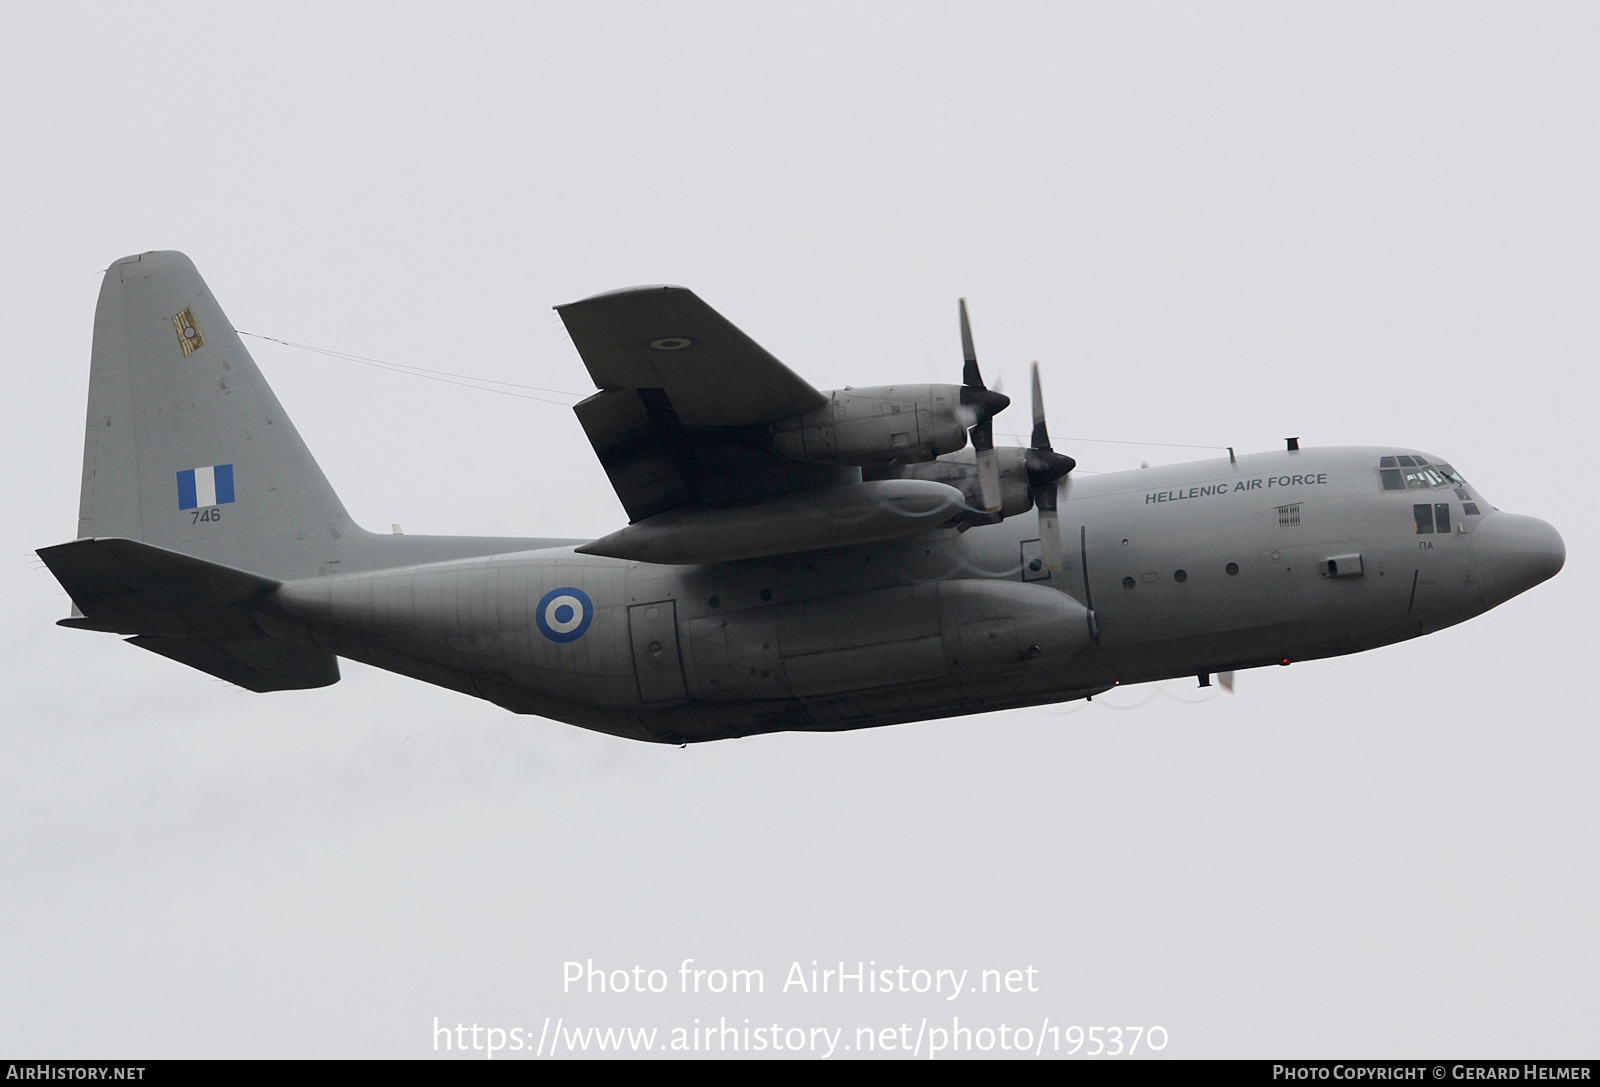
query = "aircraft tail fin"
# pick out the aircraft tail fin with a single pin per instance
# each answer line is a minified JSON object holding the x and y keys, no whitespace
{"x":193,"y":611}
{"x":186,"y":447}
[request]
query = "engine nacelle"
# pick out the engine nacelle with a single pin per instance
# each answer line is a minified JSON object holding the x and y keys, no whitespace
{"x":889,"y":424}
{"x":961,"y":472}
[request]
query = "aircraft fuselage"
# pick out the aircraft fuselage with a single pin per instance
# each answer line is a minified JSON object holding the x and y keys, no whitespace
{"x":1175,"y":571}
{"x":791,"y":561}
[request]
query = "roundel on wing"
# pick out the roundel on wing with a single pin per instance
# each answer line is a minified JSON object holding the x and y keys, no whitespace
{"x":564,"y":614}
{"x":672,"y":343}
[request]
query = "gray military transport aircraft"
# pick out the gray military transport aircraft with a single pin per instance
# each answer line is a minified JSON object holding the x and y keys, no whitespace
{"x":794,"y":559}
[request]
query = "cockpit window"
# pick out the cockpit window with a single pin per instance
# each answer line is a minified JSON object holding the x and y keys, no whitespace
{"x":1418,"y":478}
{"x":1406,"y":473}
{"x":1411,"y":473}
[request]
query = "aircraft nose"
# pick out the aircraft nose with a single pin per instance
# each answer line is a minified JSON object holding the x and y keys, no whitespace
{"x":1512,"y":553}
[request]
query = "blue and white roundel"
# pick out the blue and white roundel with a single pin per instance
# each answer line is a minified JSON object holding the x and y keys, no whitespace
{"x":564,"y":614}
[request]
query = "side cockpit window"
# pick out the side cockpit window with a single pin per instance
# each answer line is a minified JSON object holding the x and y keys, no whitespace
{"x":1431,"y":517}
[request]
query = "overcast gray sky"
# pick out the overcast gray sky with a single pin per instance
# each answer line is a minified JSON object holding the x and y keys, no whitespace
{"x":1217,"y":224}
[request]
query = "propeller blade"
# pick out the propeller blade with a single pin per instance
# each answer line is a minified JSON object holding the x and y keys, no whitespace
{"x":1046,"y":468}
{"x":989,"y":478}
{"x":969,"y":354}
{"x":980,"y":406}
{"x":1050,"y":543}
{"x":1050,"y":549}
{"x":1041,"y":435}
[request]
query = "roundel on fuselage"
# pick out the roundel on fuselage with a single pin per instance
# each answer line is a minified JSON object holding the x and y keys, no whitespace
{"x":564,"y":614}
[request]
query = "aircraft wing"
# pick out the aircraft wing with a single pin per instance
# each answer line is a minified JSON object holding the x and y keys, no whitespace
{"x":684,"y":402}
{"x":666,"y":338}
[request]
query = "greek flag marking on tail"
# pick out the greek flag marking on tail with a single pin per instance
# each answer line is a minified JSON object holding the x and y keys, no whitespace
{"x":202,"y":487}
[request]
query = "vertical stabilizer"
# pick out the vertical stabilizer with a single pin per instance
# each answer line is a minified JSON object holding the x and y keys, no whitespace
{"x":187,"y":447}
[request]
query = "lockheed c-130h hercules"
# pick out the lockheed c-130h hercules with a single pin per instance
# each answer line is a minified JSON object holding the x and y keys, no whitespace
{"x":794,"y":559}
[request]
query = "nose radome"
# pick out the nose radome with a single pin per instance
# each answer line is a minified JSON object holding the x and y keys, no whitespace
{"x":1512,"y":553}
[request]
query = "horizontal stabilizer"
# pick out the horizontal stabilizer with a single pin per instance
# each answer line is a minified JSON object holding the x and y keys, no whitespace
{"x":130,"y":587}
{"x":190,"y":610}
{"x":257,"y":664}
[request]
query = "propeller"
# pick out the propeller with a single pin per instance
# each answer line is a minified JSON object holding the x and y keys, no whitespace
{"x":1046,"y":468}
{"x":981,"y":404}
